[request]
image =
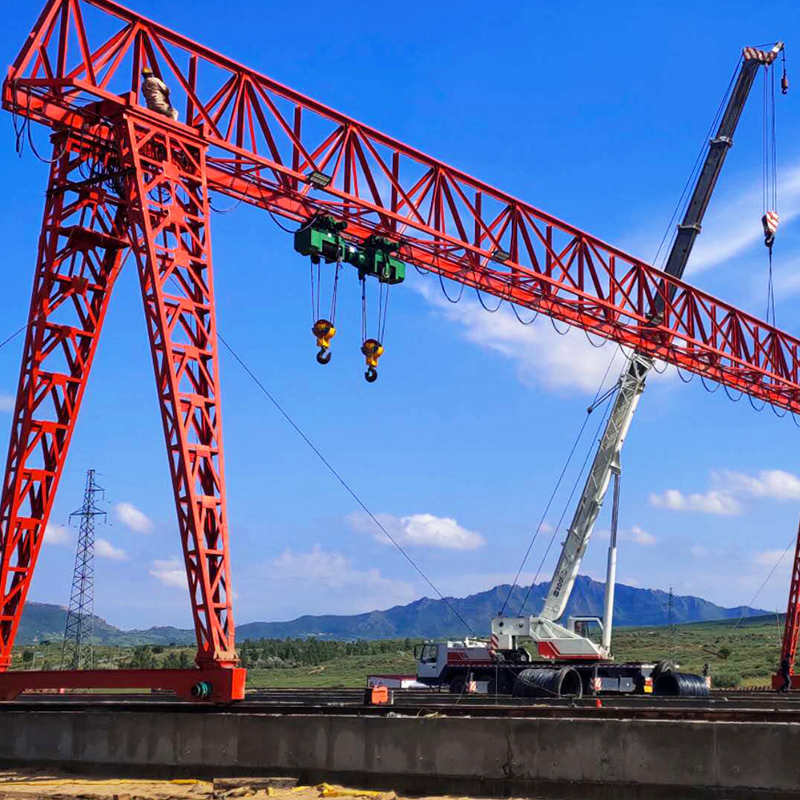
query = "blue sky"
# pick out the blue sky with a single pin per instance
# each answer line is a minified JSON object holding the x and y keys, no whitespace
{"x":593,"y":113}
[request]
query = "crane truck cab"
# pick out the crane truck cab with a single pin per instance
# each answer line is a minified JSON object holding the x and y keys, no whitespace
{"x":547,"y":638}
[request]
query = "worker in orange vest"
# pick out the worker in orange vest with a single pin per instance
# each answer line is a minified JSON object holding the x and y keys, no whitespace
{"x":156,"y":94}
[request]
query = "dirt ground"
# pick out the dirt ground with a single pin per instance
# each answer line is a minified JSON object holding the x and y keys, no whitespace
{"x":27,"y":785}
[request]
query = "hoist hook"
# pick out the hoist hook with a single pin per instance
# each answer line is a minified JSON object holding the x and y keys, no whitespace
{"x":324,"y":331}
{"x":372,"y":350}
{"x":784,"y":78}
{"x":770,"y":222}
{"x":323,"y":356}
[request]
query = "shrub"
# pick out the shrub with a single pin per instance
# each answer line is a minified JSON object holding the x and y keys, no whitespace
{"x":726,"y":680}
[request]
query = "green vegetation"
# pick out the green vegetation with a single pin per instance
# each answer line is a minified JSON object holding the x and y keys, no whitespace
{"x":737,"y":655}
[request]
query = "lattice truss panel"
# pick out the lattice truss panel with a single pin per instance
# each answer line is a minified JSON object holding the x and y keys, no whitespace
{"x":169,"y":228}
{"x":80,"y":253}
{"x":264,"y":139}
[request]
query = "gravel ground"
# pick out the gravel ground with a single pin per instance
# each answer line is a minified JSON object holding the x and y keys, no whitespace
{"x":31,"y":785}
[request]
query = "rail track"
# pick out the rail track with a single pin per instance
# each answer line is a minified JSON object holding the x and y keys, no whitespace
{"x":730,"y":706}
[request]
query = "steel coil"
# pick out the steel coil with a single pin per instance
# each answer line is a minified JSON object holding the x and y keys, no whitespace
{"x":680,"y":684}
{"x":543,"y":682}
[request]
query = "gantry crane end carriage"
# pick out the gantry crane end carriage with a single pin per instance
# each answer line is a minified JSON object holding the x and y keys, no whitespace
{"x":128,"y":180}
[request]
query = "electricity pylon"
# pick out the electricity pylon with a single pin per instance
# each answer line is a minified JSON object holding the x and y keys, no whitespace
{"x":77,"y":652}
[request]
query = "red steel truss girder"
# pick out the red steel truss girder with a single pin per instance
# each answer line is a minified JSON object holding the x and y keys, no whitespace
{"x":264,"y":138}
{"x":87,"y":231}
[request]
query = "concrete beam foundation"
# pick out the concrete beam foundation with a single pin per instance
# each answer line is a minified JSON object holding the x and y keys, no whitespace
{"x":556,"y":758}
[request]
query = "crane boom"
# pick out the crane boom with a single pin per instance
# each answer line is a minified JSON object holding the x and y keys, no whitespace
{"x":634,"y":374}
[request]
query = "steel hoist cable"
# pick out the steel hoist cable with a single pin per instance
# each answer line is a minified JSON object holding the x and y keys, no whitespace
{"x":596,"y":401}
{"x":568,"y":503}
{"x":345,"y":485}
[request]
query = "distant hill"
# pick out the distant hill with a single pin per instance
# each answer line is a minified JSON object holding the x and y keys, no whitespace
{"x":422,"y":618}
{"x":432,"y":618}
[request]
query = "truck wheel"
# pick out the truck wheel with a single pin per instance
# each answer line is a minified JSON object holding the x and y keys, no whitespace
{"x":457,"y":686}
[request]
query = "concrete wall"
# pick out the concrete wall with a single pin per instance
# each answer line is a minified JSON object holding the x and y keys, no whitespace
{"x":557,"y":757}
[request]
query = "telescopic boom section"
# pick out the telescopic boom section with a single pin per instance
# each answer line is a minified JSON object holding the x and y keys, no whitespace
{"x":632,"y":380}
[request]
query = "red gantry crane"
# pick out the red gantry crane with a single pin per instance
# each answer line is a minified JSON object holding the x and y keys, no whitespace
{"x":125,"y":179}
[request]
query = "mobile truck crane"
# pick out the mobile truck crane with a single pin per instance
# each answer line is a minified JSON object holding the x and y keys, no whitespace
{"x":564,"y":661}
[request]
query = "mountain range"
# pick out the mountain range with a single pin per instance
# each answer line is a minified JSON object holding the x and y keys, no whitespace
{"x":426,"y":617}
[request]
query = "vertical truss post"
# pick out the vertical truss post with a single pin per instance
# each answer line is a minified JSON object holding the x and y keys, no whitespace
{"x":77,"y":651}
{"x":79,"y":257}
{"x":169,"y":231}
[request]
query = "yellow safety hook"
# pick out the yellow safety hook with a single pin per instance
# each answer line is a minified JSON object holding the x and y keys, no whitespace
{"x":324,"y":331}
{"x":372,"y":350}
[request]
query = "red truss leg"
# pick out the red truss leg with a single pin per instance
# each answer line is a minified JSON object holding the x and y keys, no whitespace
{"x":169,"y":216}
{"x":792,"y":624}
{"x":80,"y":252}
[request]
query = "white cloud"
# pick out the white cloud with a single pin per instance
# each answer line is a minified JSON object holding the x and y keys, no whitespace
{"x":772,"y":483}
{"x":711,"y":502}
{"x":729,"y":488}
{"x":56,"y":534}
{"x":636,"y":534}
{"x":543,"y":356}
{"x":363,"y":588}
{"x":104,"y":549}
{"x":698,"y":551}
{"x":421,"y":530}
{"x":6,"y":402}
{"x":736,"y":225}
{"x":170,"y":572}
{"x":769,"y":558}
{"x":132,"y":518}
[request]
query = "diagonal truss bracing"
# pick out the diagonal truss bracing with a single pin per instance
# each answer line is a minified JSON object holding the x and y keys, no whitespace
{"x":128,"y":185}
{"x":264,"y":139}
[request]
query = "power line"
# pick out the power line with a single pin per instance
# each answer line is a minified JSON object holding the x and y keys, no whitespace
{"x":14,"y":335}
{"x":341,"y":480}
{"x":767,"y":579}
{"x":558,"y":484}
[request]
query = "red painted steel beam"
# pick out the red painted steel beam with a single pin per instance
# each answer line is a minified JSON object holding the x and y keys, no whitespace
{"x":80,"y":254}
{"x":224,"y":684}
{"x":263,"y":139}
{"x":792,"y":625}
{"x":168,"y":216}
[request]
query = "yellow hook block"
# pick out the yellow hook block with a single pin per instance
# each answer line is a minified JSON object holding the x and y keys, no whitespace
{"x":324,"y":331}
{"x":372,"y":350}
